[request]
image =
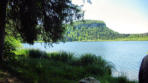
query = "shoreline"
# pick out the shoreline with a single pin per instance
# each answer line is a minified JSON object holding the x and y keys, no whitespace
{"x":92,"y":41}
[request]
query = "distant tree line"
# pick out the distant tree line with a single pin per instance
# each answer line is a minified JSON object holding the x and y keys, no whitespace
{"x":96,"y":30}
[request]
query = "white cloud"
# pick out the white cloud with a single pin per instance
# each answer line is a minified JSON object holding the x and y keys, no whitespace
{"x":121,"y":18}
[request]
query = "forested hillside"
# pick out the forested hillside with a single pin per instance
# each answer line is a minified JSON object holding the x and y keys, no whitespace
{"x":91,"y":30}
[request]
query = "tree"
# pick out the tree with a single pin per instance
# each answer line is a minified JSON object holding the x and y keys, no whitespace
{"x":3,"y":4}
{"x":31,"y":18}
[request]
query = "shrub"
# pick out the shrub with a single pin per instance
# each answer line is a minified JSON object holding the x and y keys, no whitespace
{"x":10,"y":45}
{"x":62,"y":57}
{"x":34,"y":53}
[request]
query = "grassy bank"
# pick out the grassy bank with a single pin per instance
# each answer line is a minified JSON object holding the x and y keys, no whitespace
{"x":34,"y":66}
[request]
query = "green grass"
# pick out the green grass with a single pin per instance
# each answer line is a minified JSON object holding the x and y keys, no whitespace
{"x":36,"y":66}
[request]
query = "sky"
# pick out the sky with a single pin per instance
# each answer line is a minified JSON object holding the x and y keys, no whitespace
{"x":123,"y":16}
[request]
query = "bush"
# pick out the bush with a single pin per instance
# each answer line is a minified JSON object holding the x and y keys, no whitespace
{"x":10,"y":45}
{"x":62,"y":57}
{"x":34,"y":53}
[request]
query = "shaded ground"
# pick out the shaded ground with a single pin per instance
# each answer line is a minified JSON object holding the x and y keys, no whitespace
{"x":6,"y":77}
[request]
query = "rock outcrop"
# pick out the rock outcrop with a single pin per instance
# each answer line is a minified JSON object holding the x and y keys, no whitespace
{"x":89,"y":80}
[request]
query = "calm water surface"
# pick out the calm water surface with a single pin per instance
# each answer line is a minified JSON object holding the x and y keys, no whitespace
{"x":126,"y":56}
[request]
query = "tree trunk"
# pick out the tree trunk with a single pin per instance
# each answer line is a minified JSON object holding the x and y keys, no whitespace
{"x":3,"y":5}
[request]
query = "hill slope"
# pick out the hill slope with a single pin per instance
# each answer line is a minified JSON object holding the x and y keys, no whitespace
{"x":92,"y":30}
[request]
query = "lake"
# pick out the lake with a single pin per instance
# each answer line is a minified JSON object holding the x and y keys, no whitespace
{"x":126,"y":56}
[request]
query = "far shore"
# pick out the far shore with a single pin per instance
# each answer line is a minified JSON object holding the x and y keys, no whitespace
{"x":95,"y":40}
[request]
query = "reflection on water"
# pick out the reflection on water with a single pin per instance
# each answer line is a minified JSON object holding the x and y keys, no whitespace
{"x":126,"y":56}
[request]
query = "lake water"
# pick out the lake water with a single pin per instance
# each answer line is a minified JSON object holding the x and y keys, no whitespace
{"x":126,"y":56}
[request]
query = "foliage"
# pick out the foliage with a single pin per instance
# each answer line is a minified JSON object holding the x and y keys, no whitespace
{"x":11,"y":44}
{"x":33,"y":19}
{"x":62,"y":68}
{"x":120,"y":79}
{"x":92,"y":30}
{"x":36,"y":54}
{"x":62,"y":57}
{"x":44,"y":18}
